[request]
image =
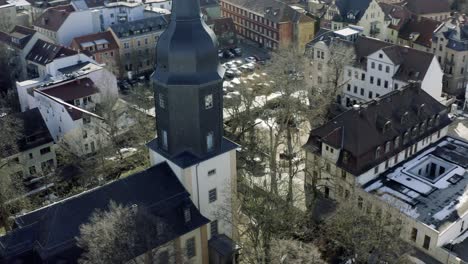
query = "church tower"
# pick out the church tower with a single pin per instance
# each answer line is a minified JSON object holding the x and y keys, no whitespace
{"x":188,"y":83}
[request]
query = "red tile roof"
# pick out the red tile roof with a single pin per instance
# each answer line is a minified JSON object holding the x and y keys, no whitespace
{"x":422,"y":30}
{"x":106,"y":35}
{"x":70,"y":91}
{"x":422,"y":7}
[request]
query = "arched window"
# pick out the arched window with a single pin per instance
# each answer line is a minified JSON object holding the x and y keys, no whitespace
{"x":378,"y":152}
{"x":406,"y":138}
{"x":387,"y":146}
{"x":397,"y":142}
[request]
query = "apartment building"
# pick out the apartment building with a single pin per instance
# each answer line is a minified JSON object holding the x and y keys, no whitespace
{"x":418,"y":33}
{"x":39,"y":60}
{"x":450,"y":45}
{"x":67,"y":94}
{"x":381,"y":67}
{"x":327,"y":53}
{"x":434,"y":9}
{"x":33,"y":156}
{"x":7,"y":15}
{"x":341,"y":13}
{"x":102,"y":47}
{"x":391,"y":158}
{"x":270,"y":23}
{"x":63,"y":23}
{"x":136,"y":42}
{"x":20,"y":41}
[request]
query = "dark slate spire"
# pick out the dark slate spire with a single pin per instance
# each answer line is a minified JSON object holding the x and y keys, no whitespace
{"x":188,"y":85}
{"x":186,"y":10}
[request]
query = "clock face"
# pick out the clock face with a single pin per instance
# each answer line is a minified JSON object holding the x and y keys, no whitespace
{"x":209,"y":101}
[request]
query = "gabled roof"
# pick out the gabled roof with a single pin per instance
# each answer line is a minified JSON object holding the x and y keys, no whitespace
{"x":419,"y":31}
{"x":33,"y":132}
{"x":395,"y":13}
{"x":422,"y":7}
{"x":51,"y":231}
{"x":355,"y":7}
{"x":18,"y":37}
{"x":273,"y":10}
{"x":44,"y":52}
{"x":360,"y":131}
{"x":97,"y":38}
{"x":53,"y":17}
{"x":413,"y":64}
{"x":73,"y":90}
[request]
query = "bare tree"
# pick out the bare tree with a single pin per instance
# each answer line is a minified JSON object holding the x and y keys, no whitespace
{"x":295,"y":252}
{"x":11,"y":183}
{"x":364,"y":236}
{"x":124,"y":234}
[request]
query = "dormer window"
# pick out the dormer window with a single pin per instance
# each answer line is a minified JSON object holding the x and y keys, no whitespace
{"x":387,"y":147}
{"x":387,"y":126}
{"x":397,"y":142}
{"x":404,"y":118}
{"x":437,"y":120}
{"x":378,"y":152}
{"x":420,"y":109}
{"x":423,"y":127}
{"x":406,"y":138}
{"x":415,"y":131}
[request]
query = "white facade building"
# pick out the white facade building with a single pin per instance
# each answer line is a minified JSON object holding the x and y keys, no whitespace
{"x":66,"y":94}
{"x":382,"y":67}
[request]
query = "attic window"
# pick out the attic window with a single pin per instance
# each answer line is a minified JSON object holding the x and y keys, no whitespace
{"x":406,"y":137}
{"x":387,"y":126}
{"x":380,"y":55}
{"x":404,"y":118}
{"x":437,"y":120}
{"x":387,"y":146}
{"x":378,"y":152}
{"x":397,"y":142}
{"x":420,"y":109}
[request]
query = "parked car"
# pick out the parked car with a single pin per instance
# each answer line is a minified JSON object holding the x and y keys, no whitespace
{"x":229,"y":74}
{"x":237,"y":51}
{"x":250,"y":59}
{"x":237,"y":73}
{"x":228,"y":54}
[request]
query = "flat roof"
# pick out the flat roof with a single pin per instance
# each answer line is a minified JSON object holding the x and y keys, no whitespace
{"x":346,"y":32}
{"x":430,"y":187}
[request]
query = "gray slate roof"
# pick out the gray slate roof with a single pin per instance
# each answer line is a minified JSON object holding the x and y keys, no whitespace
{"x":359,"y":132}
{"x":50,"y":232}
{"x":139,"y":27}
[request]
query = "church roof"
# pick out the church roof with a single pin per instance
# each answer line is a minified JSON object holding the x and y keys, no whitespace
{"x":51,"y":231}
